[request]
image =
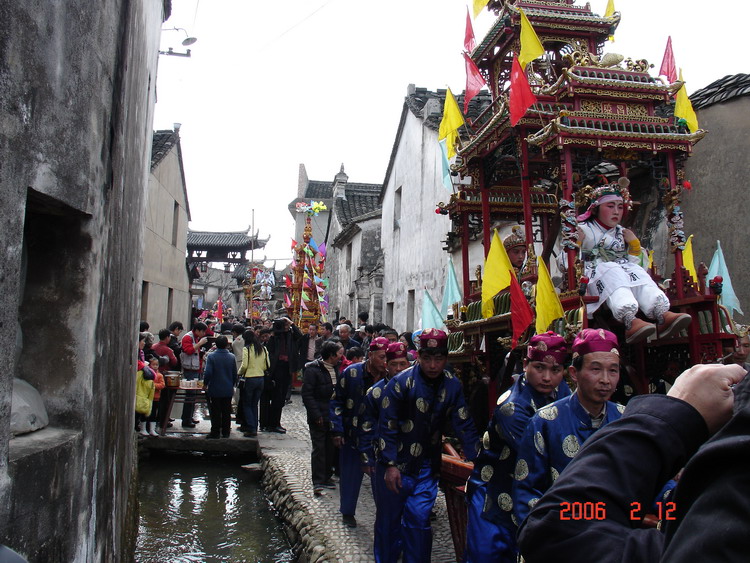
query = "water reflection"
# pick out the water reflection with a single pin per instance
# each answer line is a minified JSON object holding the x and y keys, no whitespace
{"x":194,"y":509}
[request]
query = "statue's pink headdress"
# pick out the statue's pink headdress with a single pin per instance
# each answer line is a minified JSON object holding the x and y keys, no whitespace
{"x":617,"y":191}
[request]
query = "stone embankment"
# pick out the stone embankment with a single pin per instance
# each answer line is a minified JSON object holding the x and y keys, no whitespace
{"x":313,"y":523}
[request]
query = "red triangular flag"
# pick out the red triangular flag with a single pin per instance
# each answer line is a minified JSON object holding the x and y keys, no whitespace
{"x":294,"y":243}
{"x":668,"y":64}
{"x":470,"y":41}
{"x":521,"y":96}
{"x":287,"y":281}
{"x":474,"y":81}
{"x":521,"y":314}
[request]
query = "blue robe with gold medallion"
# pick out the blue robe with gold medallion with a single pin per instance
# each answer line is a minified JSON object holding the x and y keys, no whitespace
{"x":552,"y":439}
{"x":491,"y":531}
{"x":414,"y":413}
{"x":367,"y":424}
{"x":346,"y":408}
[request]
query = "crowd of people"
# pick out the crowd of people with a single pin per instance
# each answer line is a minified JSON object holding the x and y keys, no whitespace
{"x":546,"y":471}
{"x":250,"y":366}
{"x":256,"y":387}
{"x":384,"y":417}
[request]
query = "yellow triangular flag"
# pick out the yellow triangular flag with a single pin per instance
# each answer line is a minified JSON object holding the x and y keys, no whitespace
{"x":496,"y":277}
{"x":531,"y":47}
{"x":609,"y":12}
{"x":479,"y":6}
{"x":452,"y":120}
{"x":684,"y":109}
{"x":650,"y":259}
{"x":687,"y":259}
{"x":548,"y":306}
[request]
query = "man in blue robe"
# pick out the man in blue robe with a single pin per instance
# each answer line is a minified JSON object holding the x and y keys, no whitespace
{"x":367,"y":431}
{"x":556,"y":432}
{"x":417,"y":405}
{"x":367,"y":428}
{"x":346,"y":407}
{"x":491,"y":531}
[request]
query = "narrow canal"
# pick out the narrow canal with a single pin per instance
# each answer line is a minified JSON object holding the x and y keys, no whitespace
{"x":195,"y":508}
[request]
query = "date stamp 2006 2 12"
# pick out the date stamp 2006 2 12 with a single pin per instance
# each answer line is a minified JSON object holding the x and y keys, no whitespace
{"x":598,"y":511}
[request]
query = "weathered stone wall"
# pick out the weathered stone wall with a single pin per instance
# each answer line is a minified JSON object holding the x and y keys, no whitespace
{"x":77,"y":87}
{"x":164,"y":262}
{"x":350,"y":291}
{"x":308,"y":539}
{"x":715,"y":209}
{"x":413,"y":252}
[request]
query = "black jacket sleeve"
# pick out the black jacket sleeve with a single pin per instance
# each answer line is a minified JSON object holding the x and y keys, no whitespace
{"x":623,"y":466}
{"x":295,"y":352}
{"x":313,"y":391}
{"x":713,"y":496}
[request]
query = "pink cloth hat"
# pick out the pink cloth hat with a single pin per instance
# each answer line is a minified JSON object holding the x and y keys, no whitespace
{"x":595,"y":340}
{"x":379,"y":343}
{"x":547,"y":347}
{"x":433,"y":338}
{"x":396,"y":350}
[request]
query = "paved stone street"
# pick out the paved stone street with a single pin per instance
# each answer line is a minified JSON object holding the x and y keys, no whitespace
{"x":316,"y":520}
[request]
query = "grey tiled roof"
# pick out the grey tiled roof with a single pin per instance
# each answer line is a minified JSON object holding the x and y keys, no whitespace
{"x":163,"y":142}
{"x":723,"y":90}
{"x":361,"y":199}
{"x":417,"y":100}
{"x":318,"y":190}
{"x":222,"y":240}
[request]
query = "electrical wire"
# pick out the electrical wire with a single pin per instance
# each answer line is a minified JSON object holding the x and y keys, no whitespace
{"x":296,"y":25}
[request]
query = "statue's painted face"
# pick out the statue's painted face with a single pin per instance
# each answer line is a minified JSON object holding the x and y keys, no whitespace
{"x":610,"y":213}
{"x":517,"y":255}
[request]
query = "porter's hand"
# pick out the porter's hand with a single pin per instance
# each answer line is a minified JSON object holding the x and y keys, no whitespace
{"x":707,"y":388}
{"x":393,"y":479}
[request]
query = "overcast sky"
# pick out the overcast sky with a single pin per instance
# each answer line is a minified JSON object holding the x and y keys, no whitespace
{"x":271,"y":85}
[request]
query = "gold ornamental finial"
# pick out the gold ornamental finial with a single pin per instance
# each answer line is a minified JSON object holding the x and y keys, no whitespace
{"x":307,"y":233}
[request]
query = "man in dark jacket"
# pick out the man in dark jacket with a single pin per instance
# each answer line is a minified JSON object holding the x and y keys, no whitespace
{"x":284,"y":357}
{"x":317,"y":390}
{"x":309,"y":345}
{"x":345,"y":334}
{"x":175,"y":329}
{"x":219,"y":377}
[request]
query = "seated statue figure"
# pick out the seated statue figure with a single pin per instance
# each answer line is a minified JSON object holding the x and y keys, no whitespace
{"x":612,"y":255}
{"x":515,"y":246}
